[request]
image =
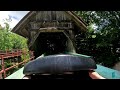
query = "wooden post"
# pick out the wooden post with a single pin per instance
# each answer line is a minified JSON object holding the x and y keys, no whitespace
{"x":70,"y":43}
{"x":31,"y":55}
{"x":72,"y":35}
{"x":1,"y":77}
{"x":3,"y":66}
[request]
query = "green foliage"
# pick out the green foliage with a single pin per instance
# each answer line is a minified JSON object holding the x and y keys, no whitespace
{"x":9,"y":40}
{"x":25,"y":55}
{"x":102,"y":42}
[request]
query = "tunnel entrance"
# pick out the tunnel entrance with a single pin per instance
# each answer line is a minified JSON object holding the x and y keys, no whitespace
{"x":50,"y":32}
{"x":50,"y":43}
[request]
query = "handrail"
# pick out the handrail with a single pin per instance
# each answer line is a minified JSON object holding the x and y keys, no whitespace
{"x":13,"y":54}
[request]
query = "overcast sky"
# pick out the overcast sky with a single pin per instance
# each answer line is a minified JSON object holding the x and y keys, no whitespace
{"x":16,"y":16}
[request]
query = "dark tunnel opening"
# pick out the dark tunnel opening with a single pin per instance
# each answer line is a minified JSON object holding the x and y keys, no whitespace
{"x":50,"y":43}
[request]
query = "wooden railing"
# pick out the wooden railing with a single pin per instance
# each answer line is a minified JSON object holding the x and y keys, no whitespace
{"x":12,"y":54}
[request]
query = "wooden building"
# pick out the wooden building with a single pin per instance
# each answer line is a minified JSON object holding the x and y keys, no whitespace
{"x":50,"y":31}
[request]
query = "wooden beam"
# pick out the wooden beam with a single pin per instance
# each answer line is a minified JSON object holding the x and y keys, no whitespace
{"x":61,"y":25}
{"x":33,"y":39}
{"x":77,"y":21}
{"x":23,"y":23}
{"x":51,"y":30}
{"x":71,"y":39}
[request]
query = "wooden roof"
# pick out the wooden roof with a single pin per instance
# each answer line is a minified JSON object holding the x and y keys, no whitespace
{"x":19,"y":28}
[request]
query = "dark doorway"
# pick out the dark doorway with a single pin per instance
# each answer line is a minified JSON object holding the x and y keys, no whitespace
{"x":50,"y":43}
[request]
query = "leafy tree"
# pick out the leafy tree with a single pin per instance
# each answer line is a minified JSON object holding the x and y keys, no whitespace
{"x":103,"y":41}
{"x":10,"y":41}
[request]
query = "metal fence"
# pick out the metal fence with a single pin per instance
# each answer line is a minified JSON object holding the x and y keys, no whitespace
{"x":12,"y":54}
